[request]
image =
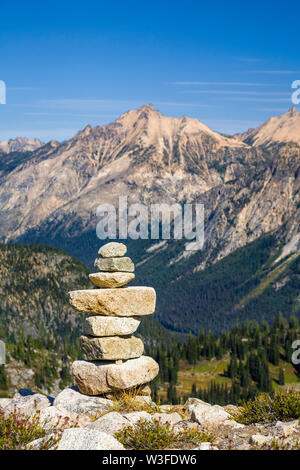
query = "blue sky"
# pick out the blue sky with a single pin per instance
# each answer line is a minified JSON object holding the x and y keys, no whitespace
{"x":69,"y":64}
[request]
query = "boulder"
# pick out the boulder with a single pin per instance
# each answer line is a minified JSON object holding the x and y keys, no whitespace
{"x":109,"y":423}
{"x":110,"y":326}
{"x":74,"y":401}
{"x":114,"y":264}
{"x":164,"y":418}
{"x":57,"y":417}
{"x":285,"y":429}
{"x":125,"y":302}
{"x":204,"y":414}
{"x":111,"y":348}
{"x":27,"y":405}
{"x":112,"y":249}
{"x":111,"y":279}
{"x":94,"y":378}
{"x":4,"y":402}
{"x":260,"y":439}
{"x":136,"y":416}
{"x":87,"y":439}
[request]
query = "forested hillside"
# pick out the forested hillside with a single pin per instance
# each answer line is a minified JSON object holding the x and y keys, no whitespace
{"x":230,"y":368}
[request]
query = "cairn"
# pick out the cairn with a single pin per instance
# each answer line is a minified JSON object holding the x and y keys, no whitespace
{"x":113,"y":358}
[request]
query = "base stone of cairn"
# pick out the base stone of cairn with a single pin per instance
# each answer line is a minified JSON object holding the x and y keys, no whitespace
{"x":113,"y":358}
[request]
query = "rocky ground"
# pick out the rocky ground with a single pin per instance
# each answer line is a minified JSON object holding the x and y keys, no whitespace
{"x":72,"y":420}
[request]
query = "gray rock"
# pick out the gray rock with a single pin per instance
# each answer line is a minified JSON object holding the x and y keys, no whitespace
{"x":191,"y":403}
{"x":136,"y":416}
{"x":111,"y":348}
{"x":27,"y":405}
{"x":110,"y":326}
{"x":37,"y":443}
{"x":87,"y":439}
{"x":4,"y":402}
{"x":110,"y":423}
{"x":94,"y":378}
{"x":259,"y":439}
{"x":125,"y":302}
{"x":112,"y":249}
{"x":114,"y":264}
{"x":285,"y":429}
{"x":209,"y":414}
{"x":171,"y":418}
{"x":74,"y":401}
{"x":206,"y":446}
{"x":111,"y":279}
{"x":57,"y":417}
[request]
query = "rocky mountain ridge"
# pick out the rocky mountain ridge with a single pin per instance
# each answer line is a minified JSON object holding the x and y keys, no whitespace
{"x":20,"y":144}
{"x":248,"y":191}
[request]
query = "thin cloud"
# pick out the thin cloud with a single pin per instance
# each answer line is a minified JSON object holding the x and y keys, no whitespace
{"x":236,"y":92}
{"x":272,"y":110}
{"x":258,"y":100}
{"x":275,"y":72}
{"x":222,"y":84}
{"x":69,"y":115}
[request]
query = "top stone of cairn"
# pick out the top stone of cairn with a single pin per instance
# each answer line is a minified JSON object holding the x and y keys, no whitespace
{"x":112,"y":250}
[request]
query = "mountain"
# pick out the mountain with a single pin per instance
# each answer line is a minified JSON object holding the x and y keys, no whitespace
{"x":251,"y":195}
{"x":35,"y":280}
{"x":19,"y":144}
{"x":277,"y":130}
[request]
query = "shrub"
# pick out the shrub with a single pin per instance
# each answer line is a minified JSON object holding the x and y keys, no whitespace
{"x":150,"y":435}
{"x":283,"y":405}
{"x":18,"y":430}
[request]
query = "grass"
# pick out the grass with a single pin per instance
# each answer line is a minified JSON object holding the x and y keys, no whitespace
{"x":283,"y":405}
{"x":153,"y":435}
{"x":131,"y":400}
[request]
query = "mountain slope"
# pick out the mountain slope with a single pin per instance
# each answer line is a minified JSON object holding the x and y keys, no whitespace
{"x":35,"y":280}
{"x":51,"y":196}
{"x":277,"y":130}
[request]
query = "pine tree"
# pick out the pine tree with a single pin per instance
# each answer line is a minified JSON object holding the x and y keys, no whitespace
{"x":281,"y":380}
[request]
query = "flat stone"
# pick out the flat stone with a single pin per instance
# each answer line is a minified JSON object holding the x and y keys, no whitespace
{"x":110,"y":423}
{"x":114,"y":264}
{"x":74,"y":401}
{"x":110,"y":326}
{"x":112,"y":249}
{"x":111,"y":279}
{"x":87,"y":439}
{"x":111,"y":348}
{"x":125,"y":302}
{"x":97,"y":377}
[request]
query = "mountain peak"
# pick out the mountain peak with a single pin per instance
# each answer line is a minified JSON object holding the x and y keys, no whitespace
{"x":278,"y":129}
{"x":20,"y":144}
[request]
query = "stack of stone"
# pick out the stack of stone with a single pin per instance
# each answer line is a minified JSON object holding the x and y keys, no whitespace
{"x":112,"y":358}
